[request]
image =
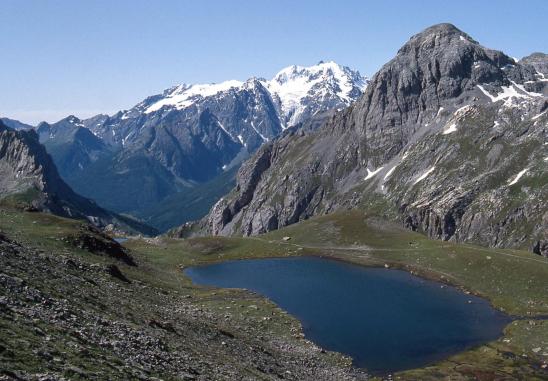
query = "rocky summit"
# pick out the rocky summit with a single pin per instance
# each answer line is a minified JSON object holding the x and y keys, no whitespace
{"x":449,"y":139}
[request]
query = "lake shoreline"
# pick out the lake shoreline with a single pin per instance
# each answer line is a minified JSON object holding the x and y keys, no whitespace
{"x":431,"y":275}
{"x":427,"y":286}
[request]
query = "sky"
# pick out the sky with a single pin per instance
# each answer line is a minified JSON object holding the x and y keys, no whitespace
{"x":88,"y":57}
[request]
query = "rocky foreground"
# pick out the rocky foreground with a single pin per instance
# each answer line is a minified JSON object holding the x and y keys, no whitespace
{"x":68,"y":314}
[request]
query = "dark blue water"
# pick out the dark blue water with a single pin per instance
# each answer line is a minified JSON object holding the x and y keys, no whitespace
{"x":386,"y":320}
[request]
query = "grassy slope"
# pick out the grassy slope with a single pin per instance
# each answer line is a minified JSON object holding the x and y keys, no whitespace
{"x":514,"y":281}
{"x":23,"y":200}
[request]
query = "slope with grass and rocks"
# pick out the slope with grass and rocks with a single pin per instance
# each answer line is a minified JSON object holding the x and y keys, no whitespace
{"x":72,"y":311}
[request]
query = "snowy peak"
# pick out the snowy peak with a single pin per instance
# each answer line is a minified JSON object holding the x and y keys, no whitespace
{"x":182,"y":96}
{"x":296,"y":87}
{"x":241,"y":117}
{"x":323,"y":70}
{"x":298,"y":92}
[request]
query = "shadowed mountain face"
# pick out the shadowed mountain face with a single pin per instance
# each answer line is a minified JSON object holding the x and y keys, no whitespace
{"x":28,"y":175}
{"x":449,"y":138}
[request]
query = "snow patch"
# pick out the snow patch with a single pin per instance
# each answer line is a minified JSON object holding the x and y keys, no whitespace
{"x":124,"y":140}
{"x":183,"y":96}
{"x":425,"y":175}
{"x":265,"y":139}
{"x":539,"y":115}
{"x":452,"y":128}
{"x":461,"y":110}
{"x":225,"y":130}
{"x":530,"y":93}
{"x":541,"y":76}
{"x":370,"y":173}
{"x":508,"y":92}
{"x":517,"y":177}
{"x":389,"y":173}
{"x":462,"y":38}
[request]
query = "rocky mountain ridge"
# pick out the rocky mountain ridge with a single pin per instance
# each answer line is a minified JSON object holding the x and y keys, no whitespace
{"x":449,"y":138}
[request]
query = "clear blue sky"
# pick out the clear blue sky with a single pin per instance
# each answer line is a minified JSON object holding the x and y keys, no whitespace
{"x":85,"y":57}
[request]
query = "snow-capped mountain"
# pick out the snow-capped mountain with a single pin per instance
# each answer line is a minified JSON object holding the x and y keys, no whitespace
{"x":300,"y":92}
{"x":297,"y":91}
{"x":190,"y":134}
{"x":295,"y":94}
{"x":183,"y":96}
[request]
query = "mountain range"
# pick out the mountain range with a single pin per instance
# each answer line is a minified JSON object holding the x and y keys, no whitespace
{"x":142,"y":159}
{"x":449,"y":139}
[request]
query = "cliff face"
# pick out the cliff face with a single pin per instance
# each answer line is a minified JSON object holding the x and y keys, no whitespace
{"x":24,"y":163}
{"x":26,"y":169}
{"x":449,"y":138}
